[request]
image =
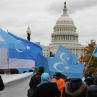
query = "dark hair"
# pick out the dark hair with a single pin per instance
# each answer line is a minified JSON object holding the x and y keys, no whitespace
{"x":40,"y":70}
{"x":58,"y":75}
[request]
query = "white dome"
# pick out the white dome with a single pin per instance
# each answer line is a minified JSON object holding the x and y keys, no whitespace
{"x":64,"y":19}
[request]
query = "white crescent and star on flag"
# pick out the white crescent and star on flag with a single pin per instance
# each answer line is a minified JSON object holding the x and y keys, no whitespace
{"x":55,"y":65}
{"x":19,"y":50}
{"x":67,"y":58}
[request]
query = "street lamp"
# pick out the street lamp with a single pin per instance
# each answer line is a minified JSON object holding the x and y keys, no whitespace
{"x":28,"y":33}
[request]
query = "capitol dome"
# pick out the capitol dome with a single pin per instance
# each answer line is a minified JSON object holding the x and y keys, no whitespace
{"x":64,"y":19}
{"x":64,"y":29}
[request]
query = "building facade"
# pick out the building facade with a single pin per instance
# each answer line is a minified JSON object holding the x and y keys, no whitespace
{"x":64,"y":33}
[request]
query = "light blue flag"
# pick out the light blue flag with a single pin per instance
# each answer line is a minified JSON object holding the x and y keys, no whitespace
{"x":7,"y":41}
{"x":95,"y":52}
{"x":72,"y":71}
{"x":31,"y":51}
{"x":42,"y":61}
{"x":65,"y":55}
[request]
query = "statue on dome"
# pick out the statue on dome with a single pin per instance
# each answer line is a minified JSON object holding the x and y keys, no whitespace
{"x":65,"y":4}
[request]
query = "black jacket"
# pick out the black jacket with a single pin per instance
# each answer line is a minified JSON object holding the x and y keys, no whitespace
{"x":47,"y":90}
{"x":92,"y":91}
{"x":35,"y":80}
{"x":1,"y":84}
{"x":30,"y":92}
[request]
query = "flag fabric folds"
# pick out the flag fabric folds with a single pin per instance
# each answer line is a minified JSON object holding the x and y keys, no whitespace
{"x":42,"y":61}
{"x":31,"y":51}
{"x":7,"y":41}
{"x":65,"y":55}
{"x":95,"y":52}
{"x":72,"y":71}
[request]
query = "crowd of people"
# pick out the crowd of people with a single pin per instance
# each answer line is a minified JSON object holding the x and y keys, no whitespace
{"x":42,"y":85}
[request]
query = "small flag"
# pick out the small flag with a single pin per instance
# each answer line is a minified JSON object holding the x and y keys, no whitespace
{"x":95,"y":52}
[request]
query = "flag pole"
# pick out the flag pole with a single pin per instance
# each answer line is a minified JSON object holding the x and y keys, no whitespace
{"x":8,"y":61}
{"x":89,"y":59}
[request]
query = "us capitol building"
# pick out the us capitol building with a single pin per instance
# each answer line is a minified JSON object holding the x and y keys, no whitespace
{"x":64,"y":33}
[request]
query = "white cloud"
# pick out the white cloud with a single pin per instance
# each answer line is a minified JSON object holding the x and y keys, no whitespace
{"x":41,"y":16}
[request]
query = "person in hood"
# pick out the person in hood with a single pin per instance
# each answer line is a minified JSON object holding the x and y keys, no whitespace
{"x":75,"y":88}
{"x":46,"y":88}
{"x":92,"y":89}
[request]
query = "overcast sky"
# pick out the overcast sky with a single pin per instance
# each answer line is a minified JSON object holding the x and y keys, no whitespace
{"x":41,"y":16}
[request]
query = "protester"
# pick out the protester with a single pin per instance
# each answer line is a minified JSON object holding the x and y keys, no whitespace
{"x":46,"y":88}
{"x":92,"y":89}
{"x":75,"y":88}
{"x":89,"y":79}
{"x":37,"y":75}
{"x":35,"y":80}
{"x":60,"y":81}
{"x":1,"y":84}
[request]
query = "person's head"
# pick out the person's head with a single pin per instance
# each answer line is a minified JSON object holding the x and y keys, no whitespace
{"x":58,"y":75}
{"x":41,"y":70}
{"x":45,"y":77}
